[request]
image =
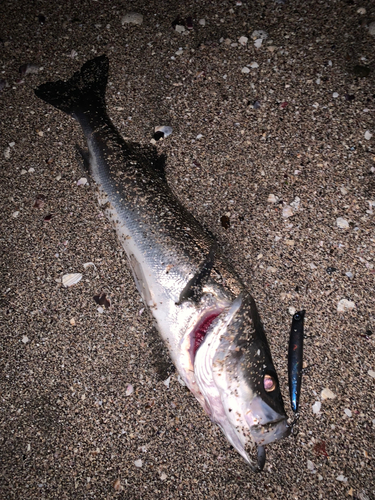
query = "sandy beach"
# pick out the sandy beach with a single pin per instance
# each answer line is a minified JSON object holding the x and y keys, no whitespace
{"x":273,"y":151}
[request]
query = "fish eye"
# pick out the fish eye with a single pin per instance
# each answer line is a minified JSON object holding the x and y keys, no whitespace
{"x":269,"y":383}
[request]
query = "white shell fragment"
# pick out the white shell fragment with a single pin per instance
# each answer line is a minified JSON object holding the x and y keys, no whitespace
{"x":254,"y":65}
{"x":86,"y":265}
{"x":129,"y":390}
{"x":342,"y":478}
{"x":163,"y":476}
{"x":132,"y":18}
{"x":287,"y":211}
{"x":165,"y":129}
{"x":138,"y":463}
{"x":347,"y":412}
{"x":272,"y":198}
{"x":245,"y":69}
{"x":243,"y":40}
{"x":179,"y":28}
{"x":371,"y":373}
{"x":327,"y":394}
{"x":343,"y":223}
{"x":82,"y":181}
{"x":25,"y":339}
{"x":345,"y":305}
{"x":316,"y":407}
{"x":258,"y":43}
{"x":71,"y":279}
{"x":167,"y":382}
{"x":368,"y":135}
{"x":259,"y":34}
{"x":310,"y":465}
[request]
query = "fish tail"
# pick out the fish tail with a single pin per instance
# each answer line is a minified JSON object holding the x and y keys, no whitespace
{"x":85,"y":90}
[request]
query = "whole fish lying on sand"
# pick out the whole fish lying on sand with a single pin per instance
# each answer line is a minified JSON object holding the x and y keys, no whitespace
{"x":204,"y":313}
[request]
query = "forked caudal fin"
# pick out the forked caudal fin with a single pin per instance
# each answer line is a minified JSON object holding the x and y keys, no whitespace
{"x":84,"y":90}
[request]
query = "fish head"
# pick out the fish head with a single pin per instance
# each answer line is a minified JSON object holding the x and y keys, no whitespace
{"x":235,"y":373}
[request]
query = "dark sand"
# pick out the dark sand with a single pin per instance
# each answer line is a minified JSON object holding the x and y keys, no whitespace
{"x":68,"y":429}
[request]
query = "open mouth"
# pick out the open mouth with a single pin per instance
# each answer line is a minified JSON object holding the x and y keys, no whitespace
{"x":202,"y":328}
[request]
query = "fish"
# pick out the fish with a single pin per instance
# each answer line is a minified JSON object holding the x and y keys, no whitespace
{"x":295,"y":355}
{"x":204,"y":313}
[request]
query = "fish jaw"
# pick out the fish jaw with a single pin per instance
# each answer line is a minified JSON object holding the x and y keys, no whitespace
{"x":230,"y":368}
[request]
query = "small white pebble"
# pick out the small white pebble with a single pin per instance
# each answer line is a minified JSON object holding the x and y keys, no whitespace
{"x":129,"y":390}
{"x":327,"y":394}
{"x":361,"y":11}
{"x":343,"y":190}
{"x":138,"y":463}
{"x":179,"y":28}
{"x":345,"y":305}
{"x":243,"y":40}
{"x":31,"y":170}
{"x":368,"y":135}
{"x":335,"y":95}
{"x":342,"y":478}
{"x":349,"y":275}
{"x":310,"y":465}
{"x":82,"y":181}
{"x":347,"y":412}
{"x":258,"y":43}
{"x":181,"y":382}
{"x":371,"y":28}
{"x":25,"y":339}
{"x":292,"y":310}
{"x":342,"y":223}
{"x":202,"y":22}
{"x":316,"y":407}
{"x":254,"y":65}
{"x":100,"y":310}
{"x":23,"y":172}
{"x":132,"y":18}
{"x":371,"y":373}
{"x":58,"y":177}
{"x":179,"y":52}
{"x":12,"y":144}
{"x":163,"y":476}
{"x":245,"y":70}
{"x":199,"y":136}
{"x":259,"y":34}
{"x":15,"y":214}
{"x":7,"y":153}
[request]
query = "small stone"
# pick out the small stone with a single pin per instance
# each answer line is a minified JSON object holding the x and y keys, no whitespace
{"x":254,"y":65}
{"x":361,"y":11}
{"x":292,"y":310}
{"x":167,"y":382}
{"x":335,"y":95}
{"x":179,"y":28}
{"x":82,"y":181}
{"x":371,"y":373}
{"x":342,"y":478}
{"x":316,"y":407}
{"x":7,"y":153}
{"x":100,"y":310}
{"x":368,"y":135}
{"x":290,"y":243}
{"x":138,"y":463}
{"x":310,"y":465}
{"x":202,"y":22}
{"x":347,"y":412}
{"x":132,"y":18}
{"x":258,"y":43}
{"x":25,"y":339}
{"x":15,"y":214}
{"x":243,"y":40}
{"x":343,"y":190}
{"x":345,"y":305}
{"x":245,"y":70}
{"x":271,"y":269}
{"x":327,"y":394}
{"x":72,"y":322}
{"x":342,"y":223}
{"x":371,"y":28}
{"x":163,"y":476}
{"x":349,"y":275}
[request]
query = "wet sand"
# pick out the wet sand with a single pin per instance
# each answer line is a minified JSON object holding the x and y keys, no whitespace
{"x":297,"y":125}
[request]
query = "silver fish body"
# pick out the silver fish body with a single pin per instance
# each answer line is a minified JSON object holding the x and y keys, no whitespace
{"x":205,"y":315}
